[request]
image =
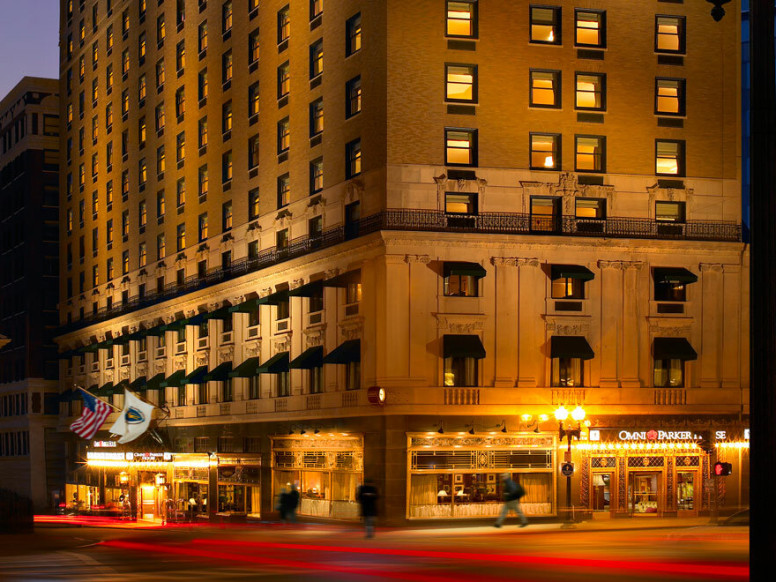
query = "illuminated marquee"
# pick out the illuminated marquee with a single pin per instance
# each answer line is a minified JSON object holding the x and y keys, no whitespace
{"x":658,"y":435}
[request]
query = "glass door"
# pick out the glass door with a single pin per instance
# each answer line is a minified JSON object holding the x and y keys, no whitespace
{"x":644,"y":494}
{"x":602,"y":492}
{"x":685,"y":492}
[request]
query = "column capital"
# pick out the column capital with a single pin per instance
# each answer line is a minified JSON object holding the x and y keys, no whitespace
{"x":422,"y":259}
{"x":710,"y":267}
{"x":514,"y":262}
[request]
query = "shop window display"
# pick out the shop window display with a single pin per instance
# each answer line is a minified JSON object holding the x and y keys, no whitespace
{"x":685,"y":491}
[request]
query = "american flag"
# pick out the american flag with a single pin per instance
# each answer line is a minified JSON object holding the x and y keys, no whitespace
{"x":93,"y":415}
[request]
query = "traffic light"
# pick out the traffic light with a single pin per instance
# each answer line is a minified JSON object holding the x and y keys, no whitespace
{"x":723,"y":469}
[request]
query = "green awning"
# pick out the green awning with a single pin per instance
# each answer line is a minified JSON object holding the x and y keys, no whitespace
{"x":276,"y":297}
{"x":463,"y":346}
{"x":247,"y":306}
{"x":675,"y":276}
{"x":155,"y":383}
{"x":345,"y":353}
{"x":107,"y":344}
{"x":104,"y":390}
{"x":223,"y":313}
{"x":673,"y":348}
{"x":464,"y":269}
{"x":175,"y":379}
{"x":310,"y":358}
{"x":69,"y":395}
{"x":248,"y":369}
{"x":139,"y":384}
{"x":68,"y":354}
{"x":275,"y":365}
{"x":93,"y":389}
{"x":175,"y":325}
{"x":571,"y":272}
{"x":196,"y":377}
{"x":219,"y":373}
{"x":312,"y":289}
{"x":157,"y":331}
{"x":90,"y":348}
{"x":344,"y":280}
{"x":197,"y":319}
{"x":570,"y":346}
{"x":119,"y":388}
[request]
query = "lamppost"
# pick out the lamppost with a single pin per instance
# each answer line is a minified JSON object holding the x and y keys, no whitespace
{"x":567,"y":468}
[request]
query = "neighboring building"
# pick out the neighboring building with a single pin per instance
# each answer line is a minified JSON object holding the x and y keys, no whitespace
{"x":31,"y":450}
{"x":505,"y":208}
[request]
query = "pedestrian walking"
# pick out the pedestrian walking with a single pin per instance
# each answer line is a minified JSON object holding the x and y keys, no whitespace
{"x":512,"y":493}
{"x":367,"y":498}
{"x":292,"y":504}
{"x":282,"y":504}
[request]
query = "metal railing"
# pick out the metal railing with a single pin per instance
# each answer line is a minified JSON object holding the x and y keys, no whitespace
{"x":424,"y":221}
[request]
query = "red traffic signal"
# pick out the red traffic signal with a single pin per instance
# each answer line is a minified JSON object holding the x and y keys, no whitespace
{"x":723,"y":469}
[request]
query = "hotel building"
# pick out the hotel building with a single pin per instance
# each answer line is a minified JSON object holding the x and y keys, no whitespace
{"x":430,"y":224}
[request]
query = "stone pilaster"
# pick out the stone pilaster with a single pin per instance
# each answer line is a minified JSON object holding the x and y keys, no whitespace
{"x":631,"y":319}
{"x":612,"y":298}
{"x":530,"y":300}
{"x":506,"y":322}
{"x":711,"y":288}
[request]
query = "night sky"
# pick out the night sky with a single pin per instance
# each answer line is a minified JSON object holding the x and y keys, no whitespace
{"x":29,"y":41}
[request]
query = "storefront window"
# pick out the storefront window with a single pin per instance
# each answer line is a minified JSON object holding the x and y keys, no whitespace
{"x":685,"y":491}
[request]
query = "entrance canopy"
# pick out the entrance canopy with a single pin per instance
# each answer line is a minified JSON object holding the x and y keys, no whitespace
{"x":673,"y":348}
{"x":570,"y":346}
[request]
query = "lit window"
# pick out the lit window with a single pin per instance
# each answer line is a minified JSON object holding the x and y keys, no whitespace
{"x":203,"y":227}
{"x":226,"y":166}
{"x":142,"y":213}
{"x":142,"y":172}
{"x":284,"y":135}
{"x":141,"y":88}
{"x":460,"y":203}
{"x":109,"y":269}
{"x":253,"y":46}
{"x":180,"y":192}
{"x":125,"y":102}
{"x":316,"y":175}
{"x":545,"y":151}
{"x":590,"y":208}
{"x":353,"y":157}
{"x":180,"y":147}
{"x":202,"y":86}
{"x":180,"y":56}
{"x":226,"y":216}
{"x":590,"y":28}
{"x":545,"y":25}
{"x":316,"y":59}
{"x":567,"y":371}
{"x":161,"y":160}
{"x":141,"y":46}
{"x":253,"y":152}
{"x":461,"y":147}
{"x":160,"y":204}
{"x":545,"y":89}
{"x":316,"y":117}
{"x":353,"y":28}
{"x":253,"y":100}
{"x":141,"y":131}
{"x":461,"y":83}
{"x":202,"y":133}
{"x":462,"y":19}
{"x":284,"y":80}
{"x":226,"y":14}
{"x":284,"y":190}
{"x":668,"y":372}
{"x":125,"y":62}
{"x":159,"y":116}
{"x":670,"y":34}
{"x":161,"y":247}
{"x":353,"y":91}
{"x":203,"y":181}
{"x":669,"y":157}
{"x":590,"y":153}
{"x":669,"y":96}
{"x":670,"y":211}
{"x":180,"y":237}
{"x":202,"y":37}
{"x":109,"y":77}
{"x":253,"y":204}
{"x":226,"y":117}
{"x":316,"y":8}
{"x":161,"y":30}
{"x":125,"y":262}
{"x":226,"y":67}
{"x":142,"y":255}
{"x":284,"y":24}
{"x":591,"y":91}
{"x":109,"y":115}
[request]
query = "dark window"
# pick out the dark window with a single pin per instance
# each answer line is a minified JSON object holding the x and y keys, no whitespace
{"x":461,"y":371}
{"x":669,"y":373}
{"x":567,"y":372}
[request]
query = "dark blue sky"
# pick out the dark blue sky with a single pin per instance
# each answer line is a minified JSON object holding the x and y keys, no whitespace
{"x":29,"y":41}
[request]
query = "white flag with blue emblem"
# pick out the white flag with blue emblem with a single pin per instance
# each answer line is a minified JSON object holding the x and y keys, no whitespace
{"x":133,"y":420}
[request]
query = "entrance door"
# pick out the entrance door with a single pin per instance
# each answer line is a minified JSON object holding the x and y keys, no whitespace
{"x":644,"y":494}
{"x":686,"y":493}
{"x":602,"y":491}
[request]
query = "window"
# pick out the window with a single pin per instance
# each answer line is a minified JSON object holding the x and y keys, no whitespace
{"x":670,"y":34}
{"x":109,"y":269}
{"x":161,"y":29}
{"x":545,"y":151}
{"x":226,"y":216}
{"x":253,"y":99}
{"x":161,"y":247}
{"x":353,"y":158}
{"x":161,"y":160}
{"x":316,"y":58}
{"x":202,"y":37}
{"x":202,"y":133}
{"x":353,"y":30}
{"x":180,"y":237}
{"x":180,"y":56}
{"x":125,"y":62}
{"x":669,"y":96}
{"x":281,"y":243}
{"x":253,"y":47}
{"x":592,"y":208}
{"x":316,"y":175}
{"x":253,"y":152}
{"x":141,"y":46}
{"x":545,"y":25}
{"x":568,"y":288}
{"x":670,"y":211}
{"x":226,"y":17}
{"x":95,"y":203}
{"x":125,"y":223}
{"x":669,"y":287}
{"x":124,"y":102}
{"x":284,"y":135}
{"x":590,"y":153}
{"x":226,"y":117}
{"x":460,"y":203}
{"x":109,"y":194}
{"x":180,"y":191}
{"x":284,"y":24}
{"x":203,"y":181}
{"x":180,"y":102}
{"x":590,"y":28}
{"x":95,"y":275}
{"x":353,"y":92}
{"x":456,"y":285}
{"x":159,"y":114}
{"x":226,"y":67}
{"x":462,"y":19}
{"x":284,"y":190}
{"x":315,"y":379}
{"x":316,"y":8}
{"x":160,"y":204}
{"x":668,"y":373}
{"x":125,"y":262}
{"x":353,"y":375}
{"x":142,"y":134}
{"x":202,"y":88}
{"x":669,"y":157}
{"x":109,"y":154}
{"x":109,"y":36}
{"x":141,"y":88}
{"x":460,"y":147}
{"x":253,"y":204}
{"x":202,"y":227}
{"x":315,"y":232}
{"x":180,"y":147}
{"x":125,"y":184}
{"x":226,"y":166}
{"x":461,"y":83}
{"x":142,"y":167}
{"x":109,"y":77}
{"x":567,"y":371}
{"x":284,"y":80}
{"x":461,"y":371}
{"x":591,"y":91}
{"x":180,"y":12}
{"x":545,"y":213}
{"x":142,"y":212}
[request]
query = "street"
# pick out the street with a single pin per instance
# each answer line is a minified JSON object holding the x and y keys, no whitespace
{"x":340,"y":552}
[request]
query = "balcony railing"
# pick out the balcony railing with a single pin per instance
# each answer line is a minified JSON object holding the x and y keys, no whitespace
{"x":426,"y":221}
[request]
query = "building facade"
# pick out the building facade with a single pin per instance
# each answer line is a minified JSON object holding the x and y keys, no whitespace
{"x":31,"y":457}
{"x":429,"y":226}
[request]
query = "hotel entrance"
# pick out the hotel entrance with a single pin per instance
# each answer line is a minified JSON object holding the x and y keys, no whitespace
{"x":644,"y":494}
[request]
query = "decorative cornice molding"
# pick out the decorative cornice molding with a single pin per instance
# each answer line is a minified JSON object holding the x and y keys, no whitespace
{"x":423,"y":259}
{"x":352,"y":327}
{"x":567,"y":325}
{"x":460,"y":323}
{"x":710,"y":267}
{"x":514,"y":262}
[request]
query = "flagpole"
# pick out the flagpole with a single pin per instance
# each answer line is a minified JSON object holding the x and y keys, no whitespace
{"x":100,"y":399}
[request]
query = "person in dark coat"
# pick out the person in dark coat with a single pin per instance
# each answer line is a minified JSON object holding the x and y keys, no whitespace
{"x":282,"y":505}
{"x":367,"y":498}
{"x":292,"y":502}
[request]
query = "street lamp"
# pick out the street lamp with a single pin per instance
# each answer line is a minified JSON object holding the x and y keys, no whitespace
{"x":561,"y":414}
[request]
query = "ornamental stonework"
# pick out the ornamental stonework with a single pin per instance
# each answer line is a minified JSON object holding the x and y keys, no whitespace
{"x":455,"y":323}
{"x":567,"y":325}
{"x":475,"y":442}
{"x":352,"y":328}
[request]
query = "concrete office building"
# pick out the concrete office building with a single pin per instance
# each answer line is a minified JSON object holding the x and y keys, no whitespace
{"x":387,"y":239}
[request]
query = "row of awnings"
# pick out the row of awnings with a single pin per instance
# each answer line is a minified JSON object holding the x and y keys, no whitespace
{"x":669,"y":275}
